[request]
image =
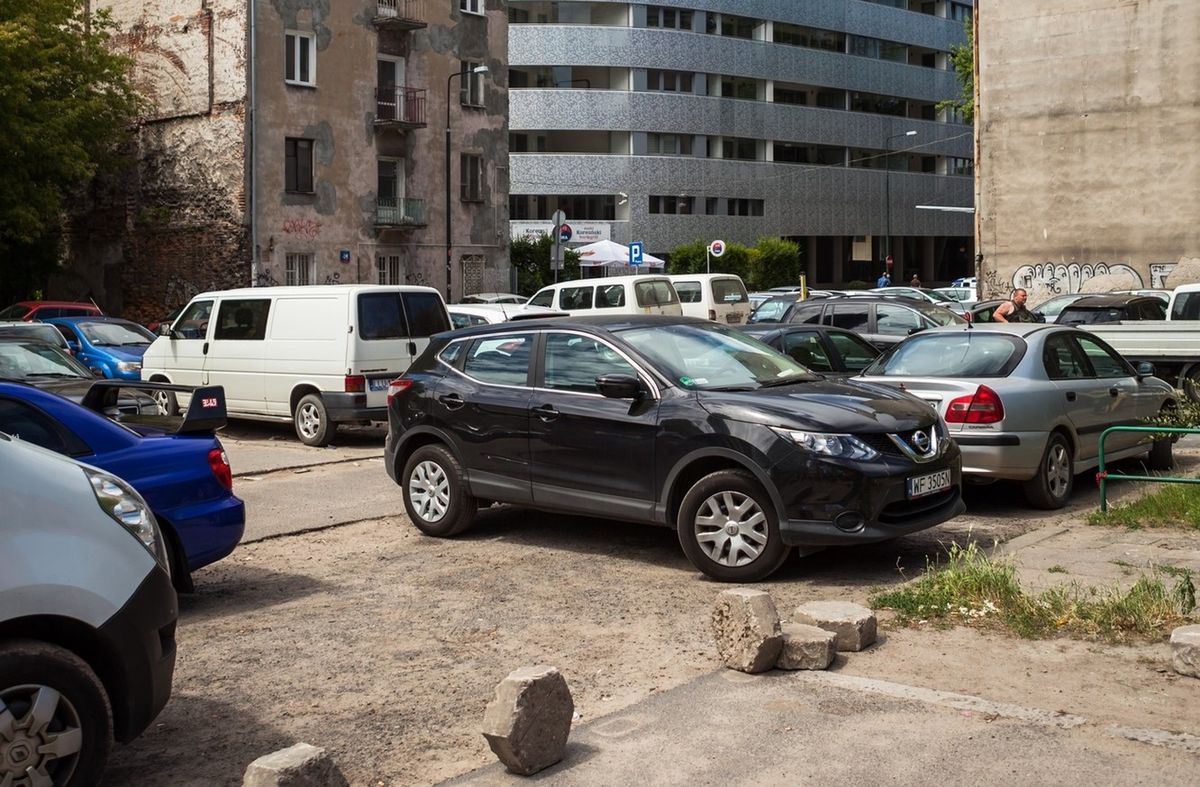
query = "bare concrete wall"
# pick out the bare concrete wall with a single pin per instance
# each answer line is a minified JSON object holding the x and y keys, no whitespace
{"x":1089,"y":111}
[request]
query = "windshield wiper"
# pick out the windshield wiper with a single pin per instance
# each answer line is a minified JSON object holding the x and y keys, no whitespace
{"x":788,"y":381}
{"x":55,"y":374}
{"x":725,"y":388}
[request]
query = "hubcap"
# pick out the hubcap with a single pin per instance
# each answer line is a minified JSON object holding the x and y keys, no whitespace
{"x":1058,"y":470}
{"x":162,"y":400}
{"x":731,"y":529}
{"x":310,"y":420}
{"x":40,"y":737}
{"x":429,"y":491}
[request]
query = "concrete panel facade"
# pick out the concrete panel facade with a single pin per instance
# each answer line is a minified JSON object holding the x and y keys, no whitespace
{"x":1088,"y":116}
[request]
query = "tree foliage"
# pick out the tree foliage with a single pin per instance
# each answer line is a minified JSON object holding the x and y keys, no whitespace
{"x":962,"y":58}
{"x":66,"y":104}
{"x":776,"y":263}
{"x":770,"y":262}
{"x":690,"y":258}
{"x":531,"y":259}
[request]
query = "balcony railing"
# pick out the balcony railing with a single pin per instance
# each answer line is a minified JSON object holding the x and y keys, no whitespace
{"x":400,"y":106}
{"x":403,"y":212}
{"x":401,"y":14}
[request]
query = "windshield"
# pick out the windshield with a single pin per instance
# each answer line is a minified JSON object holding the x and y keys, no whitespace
{"x":1051,"y":308}
{"x":711,"y":357}
{"x":729,"y":291}
{"x":1080,"y":316}
{"x":939,"y":314}
{"x":967,"y":354}
{"x":940,"y":297}
{"x":33,"y":360}
{"x":115,"y":334}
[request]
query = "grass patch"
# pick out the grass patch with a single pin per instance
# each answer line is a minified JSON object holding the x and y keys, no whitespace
{"x":968,"y":587}
{"x":1170,"y":505}
{"x":1056,"y":569}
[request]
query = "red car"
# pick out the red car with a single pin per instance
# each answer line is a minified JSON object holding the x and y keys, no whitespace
{"x":44,"y":310}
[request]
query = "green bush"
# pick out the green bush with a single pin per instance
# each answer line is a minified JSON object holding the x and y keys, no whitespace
{"x":771,"y":262}
{"x":530,"y":257}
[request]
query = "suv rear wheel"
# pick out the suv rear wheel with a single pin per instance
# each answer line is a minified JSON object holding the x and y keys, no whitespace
{"x":435,"y":495}
{"x":729,"y":529}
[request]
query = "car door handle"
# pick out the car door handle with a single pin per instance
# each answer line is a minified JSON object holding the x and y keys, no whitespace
{"x":1070,"y":396}
{"x":1114,"y":391}
{"x":204,"y":349}
{"x":546,"y":412}
{"x":452,"y":401}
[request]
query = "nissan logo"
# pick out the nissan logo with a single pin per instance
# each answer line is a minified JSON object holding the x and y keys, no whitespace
{"x":920,"y":441}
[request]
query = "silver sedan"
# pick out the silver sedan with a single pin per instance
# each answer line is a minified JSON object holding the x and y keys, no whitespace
{"x":1028,"y":402}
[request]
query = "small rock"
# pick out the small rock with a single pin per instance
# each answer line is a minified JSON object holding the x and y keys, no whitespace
{"x":529,"y":719}
{"x":298,"y":766}
{"x":746,"y":628}
{"x":1185,"y":651}
{"x":806,"y":647}
{"x":854,"y":624}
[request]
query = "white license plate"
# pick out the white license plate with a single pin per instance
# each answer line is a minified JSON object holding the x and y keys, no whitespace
{"x":928,"y":484}
{"x":379,"y":383}
{"x":733,"y":317}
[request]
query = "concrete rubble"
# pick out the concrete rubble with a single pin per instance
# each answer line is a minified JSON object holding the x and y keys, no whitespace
{"x":529,"y":719}
{"x":746,"y":629}
{"x":854,"y":624}
{"x":1185,"y":650}
{"x":806,"y":647}
{"x":301,"y":765}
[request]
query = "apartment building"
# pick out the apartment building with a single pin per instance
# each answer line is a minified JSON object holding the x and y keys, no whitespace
{"x":696,"y":119}
{"x":305,"y":142}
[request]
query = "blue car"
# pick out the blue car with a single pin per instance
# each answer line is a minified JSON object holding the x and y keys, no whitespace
{"x":179,"y":468}
{"x":109,"y":346}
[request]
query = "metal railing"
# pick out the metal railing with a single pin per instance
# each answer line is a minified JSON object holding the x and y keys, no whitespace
{"x":1103,"y":475}
{"x":404,"y":105}
{"x":412,"y":11}
{"x":404,"y":212}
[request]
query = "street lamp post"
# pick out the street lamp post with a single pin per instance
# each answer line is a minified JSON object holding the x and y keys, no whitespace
{"x":887,"y":167}
{"x":449,"y":221}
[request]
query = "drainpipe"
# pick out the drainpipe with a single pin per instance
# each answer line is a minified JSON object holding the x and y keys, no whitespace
{"x":252,"y":83}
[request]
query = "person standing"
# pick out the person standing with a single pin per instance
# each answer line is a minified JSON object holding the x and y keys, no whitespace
{"x":1013,"y":310}
{"x":884,"y":280}
{"x":915,"y":281}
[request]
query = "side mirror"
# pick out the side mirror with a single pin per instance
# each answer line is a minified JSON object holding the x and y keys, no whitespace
{"x":164,"y":329}
{"x":619,"y":386}
{"x":911,"y":331}
{"x":1145,"y":369}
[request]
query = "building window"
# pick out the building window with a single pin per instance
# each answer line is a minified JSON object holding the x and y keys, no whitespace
{"x":960,"y":166}
{"x":795,"y":35}
{"x":390,"y":269}
{"x":671,"y":205}
{"x":669,"y":81}
{"x":669,"y":144}
{"x":744,"y":207}
{"x":298,"y":167}
{"x":299,"y":269}
{"x":471,"y":6}
{"x":471,"y":92}
{"x":671,"y":18}
{"x":300,"y":58}
{"x":470,"y":169}
{"x":740,"y":148}
{"x":739,"y":87}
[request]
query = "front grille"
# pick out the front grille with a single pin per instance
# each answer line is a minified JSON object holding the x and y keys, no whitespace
{"x":900,"y":511}
{"x":880,"y":442}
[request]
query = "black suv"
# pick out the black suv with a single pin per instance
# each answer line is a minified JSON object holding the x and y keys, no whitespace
{"x":667,"y":420}
{"x":883,"y":320}
{"x":1094,"y":309}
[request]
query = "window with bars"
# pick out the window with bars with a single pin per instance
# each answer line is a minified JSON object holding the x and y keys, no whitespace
{"x":298,"y":165}
{"x":470,"y":169}
{"x":299,"y":269}
{"x":300,"y":58}
{"x":390,"y":268}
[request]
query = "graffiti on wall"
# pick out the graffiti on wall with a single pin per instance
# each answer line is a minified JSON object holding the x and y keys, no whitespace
{"x":1159,"y":271}
{"x":309,"y":229}
{"x":1057,"y":278}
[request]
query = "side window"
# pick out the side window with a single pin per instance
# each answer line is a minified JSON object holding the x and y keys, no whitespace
{"x":770,"y":311}
{"x":426,"y":314}
{"x":1061,"y":359}
{"x":857,"y":354}
{"x":610,"y":296}
{"x":809,"y":315}
{"x":1154,"y":310}
{"x":66,"y":312}
{"x":193,"y":323}
{"x":806,"y":349}
{"x":574,"y":362}
{"x":380,"y":316}
{"x":654,"y":293}
{"x":574,"y":298}
{"x":543,"y":298}
{"x":242,"y":319}
{"x":851,"y":316}
{"x":47,"y":313}
{"x":895,"y":320}
{"x":66,"y":332}
{"x":33,"y":426}
{"x":460,"y":320}
{"x":1186,"y":306}
{"x":689,"y":291}
{"x":1105,"y":363}
{"x":503,"y":360}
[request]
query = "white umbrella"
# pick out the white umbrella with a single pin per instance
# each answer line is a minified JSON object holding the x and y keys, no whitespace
{"x":605,"y":252}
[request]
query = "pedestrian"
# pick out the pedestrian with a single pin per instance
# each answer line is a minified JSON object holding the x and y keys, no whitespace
{"x":1013,"y":310}
{"x":884,"y":280}
{"x":915,"y":282}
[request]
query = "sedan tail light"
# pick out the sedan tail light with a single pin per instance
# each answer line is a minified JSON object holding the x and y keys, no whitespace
{"x":219,"y":463}
{"x":982,"y":407}
{"x":397,"y":387}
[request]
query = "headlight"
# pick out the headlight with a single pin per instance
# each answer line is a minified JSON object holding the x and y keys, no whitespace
{"x":129,"y":366}
{"x":122,"y":503}
{"x":839,"y":446}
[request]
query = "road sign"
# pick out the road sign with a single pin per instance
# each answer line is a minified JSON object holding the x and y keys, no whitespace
{"x":558,"y":218}
{"x":637,"y":253}
{"x":344,"y":255}
{"x":564,"y":233}
{"x":716,"y":248}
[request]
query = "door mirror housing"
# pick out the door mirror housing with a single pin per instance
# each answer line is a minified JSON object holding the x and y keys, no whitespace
{"x":619,"y":386}
{"x":1145,"y":369}
{"x":164,"y":329}
{"x":911,"y":331}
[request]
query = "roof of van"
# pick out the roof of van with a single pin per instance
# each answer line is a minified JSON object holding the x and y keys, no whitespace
{"x":314,"y":289}
{"x":702,"y":276}
{"x":610,"y":279}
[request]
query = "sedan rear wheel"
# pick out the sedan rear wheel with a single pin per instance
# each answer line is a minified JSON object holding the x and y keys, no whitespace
{"x":1051,"y":487}
{"x":728,"y":528}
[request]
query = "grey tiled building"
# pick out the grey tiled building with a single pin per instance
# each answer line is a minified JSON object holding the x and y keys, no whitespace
{"x":698,"y":119}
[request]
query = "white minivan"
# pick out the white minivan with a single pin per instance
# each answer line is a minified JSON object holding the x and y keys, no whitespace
{"x":720,"y":297}
{"x":611,"y":295}
{"x":316,"y":355}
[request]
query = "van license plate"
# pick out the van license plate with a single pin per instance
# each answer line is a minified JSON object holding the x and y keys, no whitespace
{"x":733,"y":317}
{"x":379,"y":383}
{"x":928,"y":484}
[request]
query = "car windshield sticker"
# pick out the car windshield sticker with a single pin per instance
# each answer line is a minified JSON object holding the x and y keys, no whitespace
{"x":685,"y":380}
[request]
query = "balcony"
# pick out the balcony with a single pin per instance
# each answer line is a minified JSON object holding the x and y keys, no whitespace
{"x":400,"y":107}
{"x":400,"y":14}
{"x":391,"y":212}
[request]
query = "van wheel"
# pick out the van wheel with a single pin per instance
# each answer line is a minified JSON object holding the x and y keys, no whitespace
{"x":728,"y":528}
{"x":313,"y":426}
{"x":61,"y":719}
{"x":435,"y":495}
{"x":1051,"y":487}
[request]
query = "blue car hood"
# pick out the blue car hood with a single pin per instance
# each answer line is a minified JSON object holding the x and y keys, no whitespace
{"x":129,"y":353}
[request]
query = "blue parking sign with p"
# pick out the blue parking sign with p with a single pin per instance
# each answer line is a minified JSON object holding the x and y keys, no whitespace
{"x":636,"y":253}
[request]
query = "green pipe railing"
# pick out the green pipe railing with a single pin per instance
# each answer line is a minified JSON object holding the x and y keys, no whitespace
{"x":1103,"y":475}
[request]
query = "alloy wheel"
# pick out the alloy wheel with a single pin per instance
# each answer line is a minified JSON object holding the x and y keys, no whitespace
{"x":162,"y":400}
{"x":309,"y":422}
{"x":1058,"y":470}
{"x":731,"y":528}
{"x":429,"y":491}
{"x":40,"y":737}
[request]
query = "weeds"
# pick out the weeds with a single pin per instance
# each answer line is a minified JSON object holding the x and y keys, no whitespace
{"x":1174,"y":505}
{"x":971,"y":588}
{"x":1056,"y":569}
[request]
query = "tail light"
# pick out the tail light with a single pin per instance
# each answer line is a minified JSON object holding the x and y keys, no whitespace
{"x":356,"y":383}
{"x":397,"y":387}
{"x":219,"y":463}
{"x":712,"y":314}
{"x":982,"y":407}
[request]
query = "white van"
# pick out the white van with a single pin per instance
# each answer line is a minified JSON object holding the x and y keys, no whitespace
{"x":610,"y":295}
{"x":720,"y":297}
{"x":317,"y":355}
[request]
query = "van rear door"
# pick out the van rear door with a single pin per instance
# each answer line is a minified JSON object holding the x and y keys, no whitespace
{"x":393,"y":327}
{"x":730,"y":301}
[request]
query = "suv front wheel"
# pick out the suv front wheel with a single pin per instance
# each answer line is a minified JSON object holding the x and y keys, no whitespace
{"x":729,"y":529}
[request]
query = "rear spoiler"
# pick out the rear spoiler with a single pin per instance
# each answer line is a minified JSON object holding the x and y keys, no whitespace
{"x":205,"y":413}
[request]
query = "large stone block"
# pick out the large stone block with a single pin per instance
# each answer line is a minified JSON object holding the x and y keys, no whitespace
{"x":1185,"y":650}
{"x":806,"y":647}
{"x":854,"y":624}
{"x":746,"y":628}
{"x":529,"y":719}
{"x":297,"y":766}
